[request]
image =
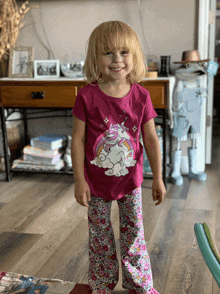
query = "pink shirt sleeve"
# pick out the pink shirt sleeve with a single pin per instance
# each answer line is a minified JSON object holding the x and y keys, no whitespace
{"x":80,"y":109}
{"x":149,"y":111}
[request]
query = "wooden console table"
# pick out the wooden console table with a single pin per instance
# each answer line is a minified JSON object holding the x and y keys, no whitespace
{"x":61,"y":93}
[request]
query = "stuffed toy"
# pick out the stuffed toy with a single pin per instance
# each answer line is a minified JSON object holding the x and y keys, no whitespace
{"x":188,"y":95}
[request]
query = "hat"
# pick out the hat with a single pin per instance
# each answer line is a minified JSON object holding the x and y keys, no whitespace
{"x":191,"y":56}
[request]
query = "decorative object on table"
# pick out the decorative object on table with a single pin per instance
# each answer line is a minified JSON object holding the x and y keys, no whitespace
{"x":67,"y":155}
{"x":11,"y":16}
{"x":165,"y":69}
{"x":14,"y":283}
{"x":208,"y":249}
{"x":21,"y":62}
{"x":188,"y":95}
{"x":72,"y":65}
{"x":152,"y":67}
{"x":46,"y":69}
{"x":49,"y":141}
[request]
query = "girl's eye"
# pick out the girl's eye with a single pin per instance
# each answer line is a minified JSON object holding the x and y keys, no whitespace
{"x":124,"y":52}
{"x":108,"y":53}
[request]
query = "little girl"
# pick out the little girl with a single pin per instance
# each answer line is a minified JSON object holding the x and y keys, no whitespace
{"x":107,"y":157}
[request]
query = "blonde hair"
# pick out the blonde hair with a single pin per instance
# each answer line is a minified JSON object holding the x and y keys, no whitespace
{"x":108,"y":35}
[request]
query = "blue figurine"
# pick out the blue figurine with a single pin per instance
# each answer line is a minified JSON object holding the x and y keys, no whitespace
{"x":188,"y":96}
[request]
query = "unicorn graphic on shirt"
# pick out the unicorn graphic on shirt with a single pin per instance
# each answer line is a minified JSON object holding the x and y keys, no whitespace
{"x":115,"y":151}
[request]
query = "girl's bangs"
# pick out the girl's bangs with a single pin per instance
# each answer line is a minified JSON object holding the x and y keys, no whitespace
{"x":118,"y":40}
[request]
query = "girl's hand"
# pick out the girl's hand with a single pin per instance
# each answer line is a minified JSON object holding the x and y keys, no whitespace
{"x":82,"y":193}
{"x":158,"y":191}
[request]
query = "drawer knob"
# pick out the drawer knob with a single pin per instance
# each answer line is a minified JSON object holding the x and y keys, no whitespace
{"x":38,"y":95}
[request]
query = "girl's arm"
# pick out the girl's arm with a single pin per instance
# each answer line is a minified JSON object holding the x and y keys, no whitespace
{"x":78,"y":148}
{"x":82,"y":191}
{"x":152,"y":147}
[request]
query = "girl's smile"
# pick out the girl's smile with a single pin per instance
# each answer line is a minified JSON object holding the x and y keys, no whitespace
{"x":115,"y":65}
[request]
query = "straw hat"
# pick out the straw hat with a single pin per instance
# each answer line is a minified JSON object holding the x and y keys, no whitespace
{"x":191,"y":56}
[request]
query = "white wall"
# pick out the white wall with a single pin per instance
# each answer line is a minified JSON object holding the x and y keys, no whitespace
{"x":169,"y":25}
{"x":60,"y":27}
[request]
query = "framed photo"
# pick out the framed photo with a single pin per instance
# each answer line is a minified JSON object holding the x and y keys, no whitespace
{"x":21,"y":62}
{"x":44,"y":69}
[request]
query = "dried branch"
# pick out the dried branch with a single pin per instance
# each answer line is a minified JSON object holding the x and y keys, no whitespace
{"x":11,"y":22}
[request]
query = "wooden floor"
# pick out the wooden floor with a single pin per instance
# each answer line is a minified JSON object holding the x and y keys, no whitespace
{"x":44,"y":233}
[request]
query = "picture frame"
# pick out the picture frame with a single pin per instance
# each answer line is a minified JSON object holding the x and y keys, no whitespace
{"x":46,"y":69}
{"x":21,"y":62}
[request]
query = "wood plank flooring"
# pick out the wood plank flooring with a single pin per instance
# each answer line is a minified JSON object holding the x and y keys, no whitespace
{"x":44,"y":233}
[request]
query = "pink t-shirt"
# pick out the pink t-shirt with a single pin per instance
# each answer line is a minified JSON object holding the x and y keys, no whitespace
{"x":114,"y":155}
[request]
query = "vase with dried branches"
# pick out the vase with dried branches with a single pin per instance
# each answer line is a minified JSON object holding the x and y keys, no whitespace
{"x":11,"y":22}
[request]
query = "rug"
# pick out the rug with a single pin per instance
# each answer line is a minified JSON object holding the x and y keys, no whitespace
{"x":11,"y":283}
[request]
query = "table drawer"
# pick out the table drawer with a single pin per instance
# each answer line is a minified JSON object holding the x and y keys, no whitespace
{"x":157,"y":94}
{"x":54,"y":96}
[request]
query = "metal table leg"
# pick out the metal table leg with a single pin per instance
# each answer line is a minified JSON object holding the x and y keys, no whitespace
{"x":26,"y":137}
{"x":164,"y":149}
{"x":5,"y":144}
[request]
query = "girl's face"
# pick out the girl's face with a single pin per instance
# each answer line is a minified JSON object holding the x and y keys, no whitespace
{"x":115,"y":64}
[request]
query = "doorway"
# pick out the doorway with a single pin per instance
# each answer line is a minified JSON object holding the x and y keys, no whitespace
{"x":216,"y":102}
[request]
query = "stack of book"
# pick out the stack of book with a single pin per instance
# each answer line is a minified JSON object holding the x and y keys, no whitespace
{"x":44,"y":153}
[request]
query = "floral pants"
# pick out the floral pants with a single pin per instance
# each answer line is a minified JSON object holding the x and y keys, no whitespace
{"x":103,"y":262}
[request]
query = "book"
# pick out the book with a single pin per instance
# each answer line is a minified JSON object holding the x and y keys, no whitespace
{"x":45,"y":160}
{"x":24,"y":165}
{"x":50,"y":141}
{"x":42,"y":152}
{"x":22,"y":161}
